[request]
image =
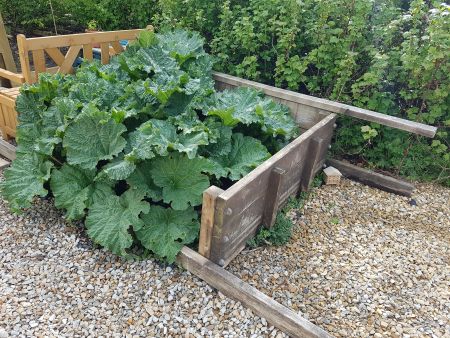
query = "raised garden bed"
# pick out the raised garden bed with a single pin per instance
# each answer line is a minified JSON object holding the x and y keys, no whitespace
{"x":231,"y":217}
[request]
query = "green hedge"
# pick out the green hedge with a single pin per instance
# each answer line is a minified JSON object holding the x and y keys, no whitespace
{"x":389,"y":56}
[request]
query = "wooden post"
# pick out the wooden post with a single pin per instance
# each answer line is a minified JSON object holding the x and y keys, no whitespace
{"x":272,"y":197}
{"x":207,"y":220}
{"x":314,"y":150}
{"x":24,"y":58}
{"x":6,"y":57}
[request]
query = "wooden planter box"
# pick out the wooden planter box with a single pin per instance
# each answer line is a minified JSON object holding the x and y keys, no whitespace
{"x":231,"y":217}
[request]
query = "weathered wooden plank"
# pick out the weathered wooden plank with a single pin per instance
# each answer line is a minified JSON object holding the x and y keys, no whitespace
{"x":332,"y":106}
{"x":272,"y":197}
{"x":7,"y":150}
{"x":207,"y":219}
{"x":373,"y":179}
{"x":314,"y":151}
{"x":244,"y":202}
{"x":278,"y":315}
{"x":4,"y":164}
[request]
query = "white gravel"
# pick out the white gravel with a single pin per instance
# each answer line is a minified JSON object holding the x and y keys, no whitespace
{"x":53,"y":283}
{"x":363,"y":262}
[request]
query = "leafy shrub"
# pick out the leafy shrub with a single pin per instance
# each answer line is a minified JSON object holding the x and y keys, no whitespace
{"x":387,"y":56}
{"x":131,"y":146}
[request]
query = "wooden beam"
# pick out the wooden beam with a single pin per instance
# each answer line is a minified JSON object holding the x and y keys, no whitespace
{"x":373,"y":179}
{"x":332,"y":106}
{"x":278,"y":315}
{"x":7,"y":150}
{"x":207,"y":219}
{"x":5,"y":49}
{"x":4,"y":164}
{"x":272,"y":197}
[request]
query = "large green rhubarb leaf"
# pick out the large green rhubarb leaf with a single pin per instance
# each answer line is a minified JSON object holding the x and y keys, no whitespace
{"x":235,"y":106}
{"x":109,"y":220}
{"x":181,"y":179}
{"x":159,"y":137}
{"x":75,"y":190}
{"x":25,"y":179}
{"x":246,"y":154}
{"x":165,"y":231}
{"x":141,"y":179}
{"x":275,"y":119}
{"x":182,"y":44}
{"x":93,"y":137}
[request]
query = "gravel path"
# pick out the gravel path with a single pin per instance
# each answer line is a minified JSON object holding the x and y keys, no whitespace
{"x":54,"y":283}
{"x":363,"y":262}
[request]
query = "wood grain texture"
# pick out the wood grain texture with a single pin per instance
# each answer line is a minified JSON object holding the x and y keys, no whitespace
{"x":332,"y":106}
{"x":56,"y":55}
{"x":104,"y":47}
{"x":272,"y":197}
{"x":315,"y":146}
{"x":207,"y":219}
{"x":278,"y":315}
{"x":5,"y":49}
{"x":38,"y":62}
{"x":373,"y":179}
{"x":7,"y":150}
{"x":67,"y":66}
{"x":24,"y":58}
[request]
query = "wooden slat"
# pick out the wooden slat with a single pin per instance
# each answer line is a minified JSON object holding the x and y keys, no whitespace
{"x":87,"y":51}
{"x":262,"y":305}
{"x":272,"y":197}
{"x":104,"y":47}
{"x":332,"y":106}
{"x":24,"y":58}
{"x":16,"y":78}
{"x":39,"y":63}
{"x":56,"y":55}
{"x":207,"y":219}
{"x":373,"y":179}
{"x":7,"y":150}
{"x":314,"y":151}
{"x":71,"y":55}
{"x":4,"y":164}
{"x":81,"y":39}
{"x":117,"y":47}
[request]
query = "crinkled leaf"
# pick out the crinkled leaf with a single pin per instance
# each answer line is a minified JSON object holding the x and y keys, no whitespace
{"x":119,"y":168}
{"x":25,"y":179}
{"x":165,"y":231}
{"x":235,"y":106}
{"x":109,"y":220}
{"x":275,"y":119}
{"x":91,"y":138}
{"x":75,"y":190}
{"x":181,"y":179}
{"x":182,"y":44}
{"x":141,"y":180}
{"x":246,"y":153}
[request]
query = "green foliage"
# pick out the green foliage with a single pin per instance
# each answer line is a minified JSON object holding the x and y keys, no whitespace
{"x":387,"y":56}
{"x":278,"y":235}
{"x":131,"y":146}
